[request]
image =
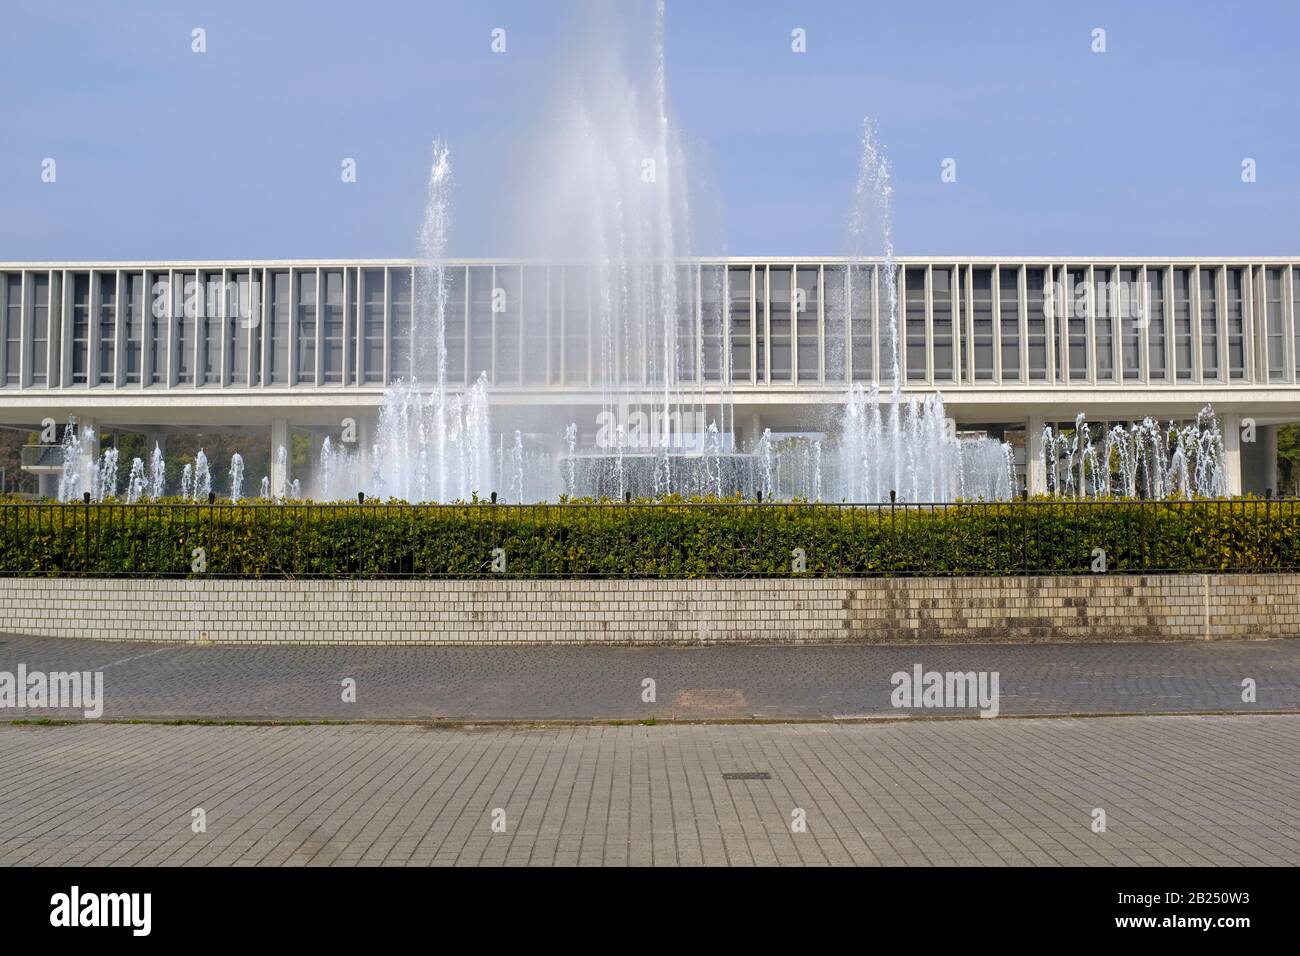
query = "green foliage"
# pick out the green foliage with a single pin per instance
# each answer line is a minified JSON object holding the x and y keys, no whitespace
{"x":673,"y":538}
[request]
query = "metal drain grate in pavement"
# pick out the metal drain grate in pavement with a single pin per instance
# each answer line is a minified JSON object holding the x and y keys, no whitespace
{"x":747,"y":775}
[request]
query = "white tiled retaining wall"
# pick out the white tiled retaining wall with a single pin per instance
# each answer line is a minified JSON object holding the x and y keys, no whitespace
{"x":805,"y":610}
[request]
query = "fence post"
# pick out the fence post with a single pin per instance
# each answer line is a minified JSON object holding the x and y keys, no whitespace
{"x":1024,"y":532}
{"x":893,"y":532}
{"x":85,"y":498}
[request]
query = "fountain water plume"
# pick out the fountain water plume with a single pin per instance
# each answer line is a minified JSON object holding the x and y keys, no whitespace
{"x":1138,"y":459}
{"x":236,"y":478}
{"x":157,"y":473}
{"x":281,"y":490}
{"x":202,"y":477}
{"x":104,"y":484}
{"x":70,"y":477}
{"x":135,"y":483}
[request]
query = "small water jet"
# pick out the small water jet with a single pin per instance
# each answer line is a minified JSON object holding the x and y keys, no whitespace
{"x":1137,"y":459}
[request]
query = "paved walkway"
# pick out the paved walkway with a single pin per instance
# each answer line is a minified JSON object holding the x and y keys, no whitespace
{"x":150,"y":680}
{"x":1175,"y":790}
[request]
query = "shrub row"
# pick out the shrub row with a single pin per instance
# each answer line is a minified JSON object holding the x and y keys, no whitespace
{"x":674,"y":539}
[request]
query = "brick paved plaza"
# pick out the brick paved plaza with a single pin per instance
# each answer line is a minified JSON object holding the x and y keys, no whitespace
{"x":1176,"y":790}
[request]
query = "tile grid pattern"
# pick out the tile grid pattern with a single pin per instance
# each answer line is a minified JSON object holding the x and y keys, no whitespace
{"x":625,"y":612}
{"x":1176,"y":791}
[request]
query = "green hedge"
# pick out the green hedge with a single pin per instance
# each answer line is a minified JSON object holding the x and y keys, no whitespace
{"x":672,"y":539}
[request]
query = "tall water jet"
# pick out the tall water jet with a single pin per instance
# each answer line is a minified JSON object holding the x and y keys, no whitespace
{"x":431,"y":445}
{"x":611,"y":191}
{"x":281,"y":490}
{"x":909,"y":450}
{"x":236,"y":477}
{"x":157,"y":473}
{"x":105,"y":477}
{"x":135,"y":483}
{"x":202,"y":477}
{"x":70,"y":477}
{"x":871,"y":222}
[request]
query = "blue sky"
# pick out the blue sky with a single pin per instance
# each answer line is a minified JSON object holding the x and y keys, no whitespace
{"x":235,"y":153}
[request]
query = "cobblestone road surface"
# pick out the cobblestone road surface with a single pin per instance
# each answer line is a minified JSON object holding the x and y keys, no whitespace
{"x":147,"y":680}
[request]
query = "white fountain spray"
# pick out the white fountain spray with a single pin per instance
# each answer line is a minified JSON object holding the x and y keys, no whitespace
{"x":157,"y":473}
{"x":71,"y":479}
{"x":202,"y":477}
{"x":1185,"y":461}
{"x":135,"y":483}
{"x":236,"y":478}
{"x":105,"y":476}
{"x":910,"y":449}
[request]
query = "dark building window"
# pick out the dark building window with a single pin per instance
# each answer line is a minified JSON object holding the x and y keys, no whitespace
{"x":914,"y":308}
{"x":306,"y":322}
{"x":133,"y":314}
{"x":106,"y":318}
{"x":11,"y":301}
{"x":333,"y":326}
{"x":1009,"y":309}
{"x":779,"y":319}
{"x":1130,"y":305}
{"x":372,"y":318}
{"x":941,"y":303}
{"x":1235,"y":320}
{"x":1103,"y":323}
{"x":1183,"y":345}
{"x":40,"y":328}
{"x":1037,"y":323}
{"x":80,"y":327}
{"x":808,"y":304}
{"x":399,"y":323}
{"x":1155,"y":308}
{"x":1080,"y":300}
{"x":712,"y":322}
{"x":982,"y":323}
{"x":1276,"y":325}
{"x":862,"y":322}
{"x":1209,"y":324}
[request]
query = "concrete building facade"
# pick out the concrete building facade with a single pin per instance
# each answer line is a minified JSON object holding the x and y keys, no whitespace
{"x":1011,"y":344}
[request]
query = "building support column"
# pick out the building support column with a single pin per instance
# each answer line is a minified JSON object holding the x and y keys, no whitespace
{"x":1268,"y":440}
{"x":279,"y":472}
{"x":1232,"y":452}
{"x":755,"y":430}
{"x":1035,"y":472}
{"x":313,"y":464}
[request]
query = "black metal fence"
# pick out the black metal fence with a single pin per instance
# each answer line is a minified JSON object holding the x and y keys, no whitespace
{"x":648,"y":540}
